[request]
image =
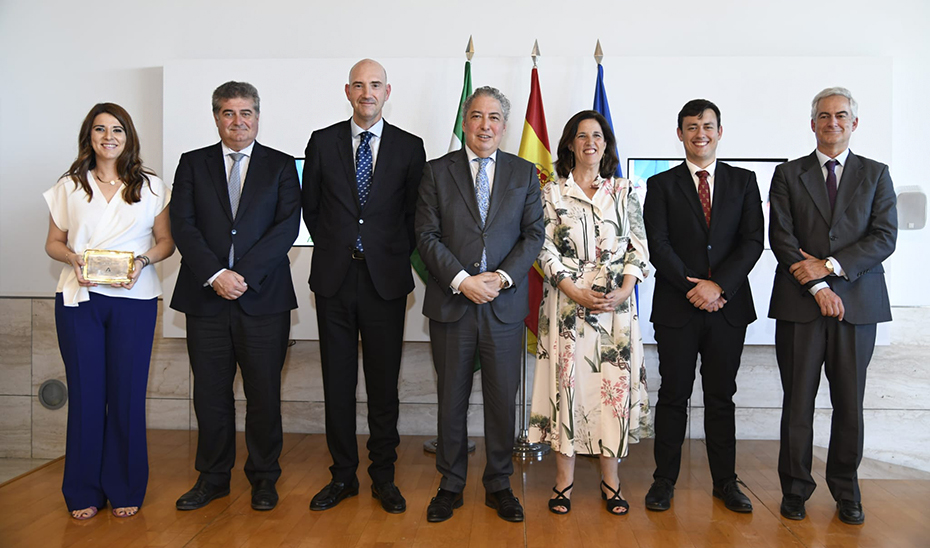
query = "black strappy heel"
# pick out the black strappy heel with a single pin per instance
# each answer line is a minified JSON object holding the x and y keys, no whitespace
{"x":615,"y":501}
{"x":561,"y":500}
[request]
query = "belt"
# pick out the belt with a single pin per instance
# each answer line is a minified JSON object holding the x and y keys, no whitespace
{"x":358,"y":255}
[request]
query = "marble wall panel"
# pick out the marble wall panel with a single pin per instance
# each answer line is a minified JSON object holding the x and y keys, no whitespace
{"x":167,"y":414}
{"x":910,"y":326}
{"x":15,"y":427}
{"x":302,"y":379}
{"x":16,"y":347}
{"x":48,"y":431}
{"x":46,"y":359}
{"x":303,"y":417}
{"x":169,"y":371}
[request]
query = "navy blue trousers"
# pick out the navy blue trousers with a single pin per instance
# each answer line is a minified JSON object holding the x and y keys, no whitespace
{"x":106,"y":345}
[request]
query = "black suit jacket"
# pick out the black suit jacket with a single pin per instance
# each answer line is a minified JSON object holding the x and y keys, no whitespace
{"x":860,"y":232}
{"x":335,"y":218}
{"x":682,"y":245}
{"x":264,"y":229}
{"x":450,"y":236}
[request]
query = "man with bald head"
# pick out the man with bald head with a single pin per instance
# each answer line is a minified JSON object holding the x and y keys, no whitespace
{"x":360,"y":184}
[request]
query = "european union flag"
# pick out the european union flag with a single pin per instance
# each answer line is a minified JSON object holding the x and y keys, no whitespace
{"x":601,"y":106}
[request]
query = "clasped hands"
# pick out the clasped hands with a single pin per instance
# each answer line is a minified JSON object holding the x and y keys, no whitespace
{"x":230,"y":285}
{"x":599,"y":302}
{"x":705,"y":295}
{"x":481,"y":288}
{"x":811,"y":269}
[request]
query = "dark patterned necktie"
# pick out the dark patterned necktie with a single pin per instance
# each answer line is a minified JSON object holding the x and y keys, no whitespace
{"x":363,"y":175}
{"x":704,"y":194}
{"x":831,"y":182}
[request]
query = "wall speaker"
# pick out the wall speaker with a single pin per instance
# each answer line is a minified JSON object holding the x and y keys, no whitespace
{"x":53,"y":394}
{"x":912,"y":208}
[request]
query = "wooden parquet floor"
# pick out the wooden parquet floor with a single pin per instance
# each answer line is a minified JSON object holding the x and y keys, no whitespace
{"x":33,"y":513}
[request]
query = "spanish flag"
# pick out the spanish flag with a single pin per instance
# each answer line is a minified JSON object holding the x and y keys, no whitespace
{"x":534,"y":147}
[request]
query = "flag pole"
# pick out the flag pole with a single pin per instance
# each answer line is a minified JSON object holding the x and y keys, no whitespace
{"x":522,"y":447}
{"x":430,"y":445}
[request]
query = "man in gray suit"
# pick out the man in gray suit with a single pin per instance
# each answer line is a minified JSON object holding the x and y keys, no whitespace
{"x":479,"y":226}
{"x":833,"y":222}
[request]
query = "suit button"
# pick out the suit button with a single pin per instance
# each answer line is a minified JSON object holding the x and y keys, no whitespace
{"x":361,"y":221}
{"x":832,"y":238}
{"x":233,"y":232}
{"x":709,"y":247}
{"x":485,"y":235}
{"x":476,"y":265}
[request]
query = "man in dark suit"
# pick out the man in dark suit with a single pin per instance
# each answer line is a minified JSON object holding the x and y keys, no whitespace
{"x":235,"y":212}
{"x":479,"y":227}
{"x":833,"y":222}
{"x":359,"y":197}
{"x":704,"y":226}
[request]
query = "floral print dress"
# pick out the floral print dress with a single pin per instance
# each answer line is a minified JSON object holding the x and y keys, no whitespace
{"x":589,"y":390}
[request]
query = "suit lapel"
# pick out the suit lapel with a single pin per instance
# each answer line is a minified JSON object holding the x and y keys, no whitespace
{"x":812,"y":178}
{"x":216,"y":167}
{"x":848,"y":187}
{"x":344,"y":146}
{"x":502,"y":180}
{"x":385,"y":157}
{"x":461,"y":176}
{"x":721,"y":193}
{"x":686,"y":185}
{"x":254,"y":177}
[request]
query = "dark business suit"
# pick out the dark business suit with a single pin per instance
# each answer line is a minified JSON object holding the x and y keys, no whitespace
{"x":681,"y":245}
{"x":859,"y":233}
{"x":251,"y":330}
{"x":361,"y":296}
{"x":450,"y":237}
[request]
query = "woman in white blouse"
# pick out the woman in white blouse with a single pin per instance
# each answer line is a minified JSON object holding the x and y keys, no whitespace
{"x":107,"y":200}
{"x":589,"y":393}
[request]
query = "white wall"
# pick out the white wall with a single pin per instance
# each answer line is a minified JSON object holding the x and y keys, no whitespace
{"x":57,"y":58}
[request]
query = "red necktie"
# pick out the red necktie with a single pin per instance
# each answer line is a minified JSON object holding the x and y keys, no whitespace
{"x":704,"y":194}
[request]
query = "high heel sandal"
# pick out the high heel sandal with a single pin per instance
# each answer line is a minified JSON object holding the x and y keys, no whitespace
{"x":561,"y":500}
{"x":615,"y":501}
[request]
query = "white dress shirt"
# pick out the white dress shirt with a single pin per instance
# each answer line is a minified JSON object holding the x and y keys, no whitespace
{"x":374,"y":142}
{"x":243,"y":169}
{"x":711,"y":169}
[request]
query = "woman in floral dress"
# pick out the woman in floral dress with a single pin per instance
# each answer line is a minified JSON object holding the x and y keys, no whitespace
{"x":589,"y":393}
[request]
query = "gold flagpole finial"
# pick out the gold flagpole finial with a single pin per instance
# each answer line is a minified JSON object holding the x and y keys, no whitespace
{"x":598,"y":53}
{"x":470,"y":49}
{"x":535,"y":52}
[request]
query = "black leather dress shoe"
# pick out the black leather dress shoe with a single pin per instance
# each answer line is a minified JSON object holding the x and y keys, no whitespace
{"x":441,"y":506}
{"x":850,"y":512}
{"x":792,"y":507}
{"x":389,"y":495}
{"x":733,"y":498}
{"x":333,"y":494}
{"x":659,"y":497}
{"x":507,"y":506}
{"x":264,"y":495}
{"x":201,"y":495}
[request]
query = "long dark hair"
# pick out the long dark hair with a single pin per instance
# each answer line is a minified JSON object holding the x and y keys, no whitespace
{"x":128,"y":165}
{"x":566,"y":158}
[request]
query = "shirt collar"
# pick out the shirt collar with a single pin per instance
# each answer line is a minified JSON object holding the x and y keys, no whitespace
{"x":472,"y":156}
{"x":247,"y":150}
{"x":823,"y":158}
{"x":709,"y":169}
{"x":374,"y":130}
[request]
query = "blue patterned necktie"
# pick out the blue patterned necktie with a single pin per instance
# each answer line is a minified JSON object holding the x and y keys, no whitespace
{"x":483,"y":194}
{"x":363,"y":163}
{"x":235,"y":191}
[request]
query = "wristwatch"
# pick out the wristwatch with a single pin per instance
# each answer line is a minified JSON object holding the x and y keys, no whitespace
{"x":503,"y":280}
{"x":828,"y":264}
